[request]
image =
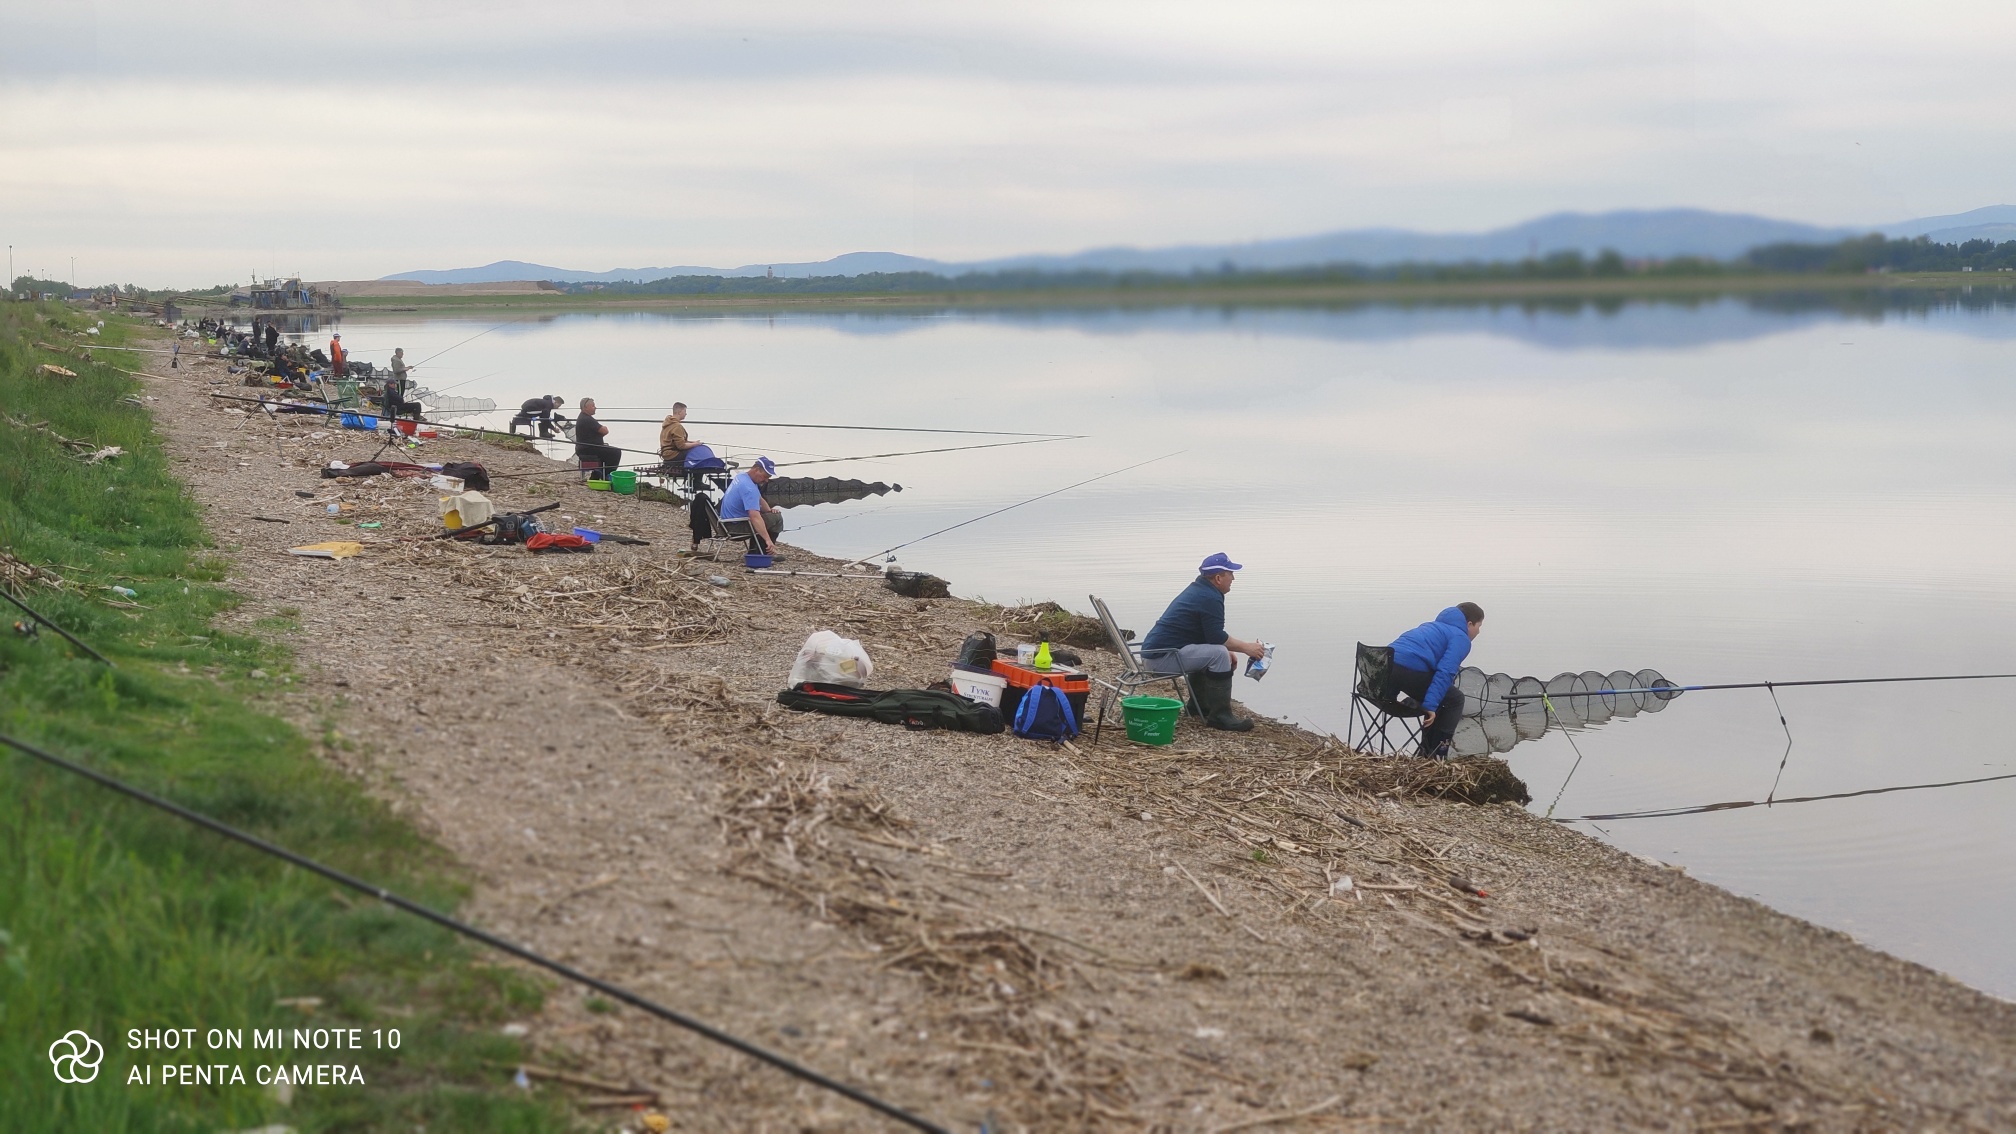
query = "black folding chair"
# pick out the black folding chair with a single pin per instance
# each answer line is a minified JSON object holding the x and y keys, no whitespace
{"x":1375,"y":704}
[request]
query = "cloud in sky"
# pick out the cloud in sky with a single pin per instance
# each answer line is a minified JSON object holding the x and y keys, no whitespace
{"x":198,"y":142}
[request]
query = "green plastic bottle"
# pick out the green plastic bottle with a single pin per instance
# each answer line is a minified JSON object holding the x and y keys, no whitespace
{"x":1042,"y":659}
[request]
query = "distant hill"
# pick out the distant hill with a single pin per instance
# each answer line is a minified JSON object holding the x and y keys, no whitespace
{"x":1636,"y":233}
{"x":851,"y":264}
{"x":1996,"y":222}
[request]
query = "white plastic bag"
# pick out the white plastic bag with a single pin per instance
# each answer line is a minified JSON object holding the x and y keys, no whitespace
{"x":829,"y":659}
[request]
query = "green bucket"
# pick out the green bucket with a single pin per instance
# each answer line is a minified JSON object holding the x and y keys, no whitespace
{"x":624,"y":482}
{"x":1151,"y":720}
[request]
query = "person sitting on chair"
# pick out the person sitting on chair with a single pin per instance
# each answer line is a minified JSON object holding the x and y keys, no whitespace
{"x":540,"y":410}
{"x":1190,"y":639}
{"x":395,"y":403}
{"x":588,"y":446}
{"x":744,"y":512}
{"x":672,"y":439}
{"x":1425,"y":661}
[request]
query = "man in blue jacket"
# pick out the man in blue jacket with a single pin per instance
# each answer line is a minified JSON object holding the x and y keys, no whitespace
{"x":1190,"y":639}
{"x":1425,"y":661}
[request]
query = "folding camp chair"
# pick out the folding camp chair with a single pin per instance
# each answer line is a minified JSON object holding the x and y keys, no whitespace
{"x":1134,"y":674}
{"x":1375,"y":704}
{"x":720,"y":534}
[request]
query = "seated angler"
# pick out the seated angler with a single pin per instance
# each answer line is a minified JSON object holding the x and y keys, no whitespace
{"x":589,"y":448}
{"x":673,"y":443}
{"x":1190,"y":639}
{"x":540,"y":410}
{"x":1425,"y":662}
{"x":744,"y":512}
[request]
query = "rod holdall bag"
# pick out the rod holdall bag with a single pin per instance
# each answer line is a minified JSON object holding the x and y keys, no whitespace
{"x":977,"y":650}
{"x":1045,"y":714}
{"x":471,"y":474}
{"x":916,"y":709}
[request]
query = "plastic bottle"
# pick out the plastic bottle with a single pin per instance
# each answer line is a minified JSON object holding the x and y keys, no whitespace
{"x":1042,"y":659}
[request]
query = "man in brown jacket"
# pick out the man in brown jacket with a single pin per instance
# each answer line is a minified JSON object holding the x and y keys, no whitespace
{"x":672,"y":439}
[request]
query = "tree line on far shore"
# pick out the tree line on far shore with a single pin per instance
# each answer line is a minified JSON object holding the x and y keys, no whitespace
{"x":1872,"y":254}
{"x":1868,"y":254}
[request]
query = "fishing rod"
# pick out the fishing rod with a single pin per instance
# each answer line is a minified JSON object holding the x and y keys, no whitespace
{"x":463,"y":928}
{"x":921,"y":452}
{"x":1703,"y":809}
{"x":67,"y":635}
{"x":470,"y":339}
{"x":861,"y":428}
{"x":1012,"y":507}
{"x":1669,"y":690}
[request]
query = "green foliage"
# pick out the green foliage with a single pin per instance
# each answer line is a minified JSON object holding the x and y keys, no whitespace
{"x":114,"y":916}
{"x":1876,"y":253}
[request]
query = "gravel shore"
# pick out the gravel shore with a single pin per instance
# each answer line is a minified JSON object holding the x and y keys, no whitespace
{"x":981,"y":929}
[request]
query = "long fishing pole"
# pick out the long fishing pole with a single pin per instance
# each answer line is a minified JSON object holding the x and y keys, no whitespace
{"x":860,"y":428}
{"x":921,"y":452}
{"x":470,"y":339}
{"x":465,"y":929}
{"x":67,"y":635}
{"x":1669,"y":690}
{"x":1703,"y":809}
{"x":1012,"y":507}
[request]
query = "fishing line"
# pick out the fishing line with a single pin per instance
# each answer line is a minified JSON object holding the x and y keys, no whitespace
{"x":470,"y":339}
{"x":803,"y":425}
{"x":848,"y":516}
{"x":465,"y":929}
{"x":1018,"y":504}
{"x":1707,"y":807}
{"x":1788,"y":745}
{"x":465,"y":381}
{"x":1571,"y":743}
{"x":921,"y":452}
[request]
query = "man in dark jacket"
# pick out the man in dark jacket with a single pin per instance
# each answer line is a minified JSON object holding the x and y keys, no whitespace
{"x":539,"y":410}
{"x":1190,"y":639}
{"x":1425,"y":662}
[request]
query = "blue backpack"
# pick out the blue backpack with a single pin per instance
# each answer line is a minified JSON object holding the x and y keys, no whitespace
{"x":1045,"y":714}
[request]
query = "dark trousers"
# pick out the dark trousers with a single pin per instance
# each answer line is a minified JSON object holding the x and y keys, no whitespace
{"x":1414,"y":683}
{"x":609,"y":456}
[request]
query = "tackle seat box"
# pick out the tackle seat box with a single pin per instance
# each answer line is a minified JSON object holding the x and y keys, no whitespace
{"x":1074,"y":684}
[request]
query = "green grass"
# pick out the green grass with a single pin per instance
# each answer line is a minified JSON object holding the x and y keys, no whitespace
{"x":114,"y":916}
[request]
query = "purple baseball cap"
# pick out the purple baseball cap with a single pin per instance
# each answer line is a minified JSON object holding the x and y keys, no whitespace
{"x":1216,"y":563}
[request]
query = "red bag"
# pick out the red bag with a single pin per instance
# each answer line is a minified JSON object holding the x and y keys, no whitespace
{"x":555,"y":542}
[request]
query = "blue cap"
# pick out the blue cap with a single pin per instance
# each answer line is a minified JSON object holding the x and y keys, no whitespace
{"x":1218,"y":562}
{"x":767,"y":465}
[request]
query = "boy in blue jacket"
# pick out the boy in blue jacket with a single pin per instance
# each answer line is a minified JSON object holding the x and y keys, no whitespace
{"x":1425,"y":661}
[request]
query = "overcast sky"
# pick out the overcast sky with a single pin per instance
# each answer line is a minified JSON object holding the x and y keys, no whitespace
{"x":190,"y":143}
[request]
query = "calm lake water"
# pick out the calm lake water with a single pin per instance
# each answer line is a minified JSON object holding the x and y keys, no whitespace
{"x":1745,"y":489}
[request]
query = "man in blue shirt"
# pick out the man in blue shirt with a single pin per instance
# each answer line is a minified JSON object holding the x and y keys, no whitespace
{"x":746,"y":514}
{"x":1190,"y":639}
{"x":1425,"y":662}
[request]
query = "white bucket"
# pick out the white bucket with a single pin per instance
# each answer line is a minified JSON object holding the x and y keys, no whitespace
{"x":984,"y":688}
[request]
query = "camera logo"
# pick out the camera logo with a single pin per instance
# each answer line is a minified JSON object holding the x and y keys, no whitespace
{"x":76,"y":1057}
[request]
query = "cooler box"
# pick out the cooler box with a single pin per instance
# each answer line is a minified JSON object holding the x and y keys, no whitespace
{"x":1075,"y":685}
{"x":981,"y":685}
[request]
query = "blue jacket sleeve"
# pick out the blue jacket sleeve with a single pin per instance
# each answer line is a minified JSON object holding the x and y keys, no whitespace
{"x":1211,"y":621}
{"x":1445,"y":671}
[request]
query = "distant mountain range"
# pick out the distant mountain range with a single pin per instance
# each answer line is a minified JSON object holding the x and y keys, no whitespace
{"x":1662,"y":233}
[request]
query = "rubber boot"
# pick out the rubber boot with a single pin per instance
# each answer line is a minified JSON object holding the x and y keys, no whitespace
{"x":1214,"y":695}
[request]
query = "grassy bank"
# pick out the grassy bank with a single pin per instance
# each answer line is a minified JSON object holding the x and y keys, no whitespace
{"x":1204,"y":292}
{"x":114,"y":917}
